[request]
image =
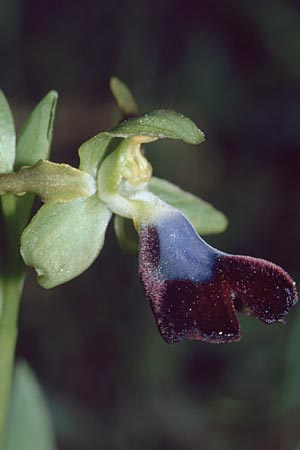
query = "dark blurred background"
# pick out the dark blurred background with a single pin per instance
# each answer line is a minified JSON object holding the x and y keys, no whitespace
{"x":233,"y":67}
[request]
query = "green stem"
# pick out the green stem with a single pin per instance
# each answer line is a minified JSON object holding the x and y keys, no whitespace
{"x":8,"y":337}
{"x":12,"y":275}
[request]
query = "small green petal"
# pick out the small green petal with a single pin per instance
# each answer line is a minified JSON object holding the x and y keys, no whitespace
{"x":7,"y":137}
{"x":109,"y":180}
{"x":35,"y":137}
{"x":203,"y":216}
{"x":160,"y":124}
{"x":50,"y":181}
{"x":63,"y":239}
{"x":92,"y":152}
{"x":124,"y":98}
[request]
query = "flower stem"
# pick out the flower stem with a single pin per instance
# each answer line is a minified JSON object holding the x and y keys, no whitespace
{"x":8,"y":336}
{"x":11,"y":283}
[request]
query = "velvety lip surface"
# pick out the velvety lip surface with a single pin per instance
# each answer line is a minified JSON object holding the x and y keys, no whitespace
{"x":194,"y":290}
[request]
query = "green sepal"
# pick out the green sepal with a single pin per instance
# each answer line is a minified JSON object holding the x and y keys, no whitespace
{"x":50,"y":181}
{"x":63,"y":239}
{"x":149,"y":127}
{"x":124,"y":98}
{"x":7,"y":137}
{"x":204,"y":217}
{"x":33,"y":144}
{"x":160,"y":124}
{"x":92,"y":152}
{"x":34,"y":139}
{"x":29,"y":424}
{"x":127,"y":235}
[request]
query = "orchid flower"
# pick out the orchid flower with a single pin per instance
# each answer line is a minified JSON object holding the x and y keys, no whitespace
{"x":194,"y":290}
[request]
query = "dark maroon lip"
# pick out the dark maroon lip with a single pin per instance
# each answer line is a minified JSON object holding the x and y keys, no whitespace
{"x":258,"y":287}
{"x":203,"y":306}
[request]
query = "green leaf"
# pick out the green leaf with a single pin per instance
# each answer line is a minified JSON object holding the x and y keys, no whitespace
{"x":33,"y":144}
{"x":203,"y":216}
{"x":124,"y":98}
{"x":160,"y":124}
{"x":127,"y":235}
{"x":7,"y":137}
{"x":92,"y":152}
{"x":29,"y":424}
{"x":63,"y":239}
{"x":35,"y":137}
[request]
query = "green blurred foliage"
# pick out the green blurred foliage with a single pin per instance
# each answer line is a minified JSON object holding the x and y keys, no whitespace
{"x":233,"y":67}
{"x":29,"y":424}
